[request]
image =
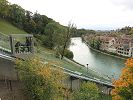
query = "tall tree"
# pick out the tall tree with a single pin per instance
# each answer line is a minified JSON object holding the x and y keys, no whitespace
{"x":17,"y":15}
{"x":50,"y":29}
{"x":70,"y":30}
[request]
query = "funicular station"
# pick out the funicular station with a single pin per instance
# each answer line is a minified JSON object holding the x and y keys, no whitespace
{"x":11,"y":47}
{"x":21,"y":45}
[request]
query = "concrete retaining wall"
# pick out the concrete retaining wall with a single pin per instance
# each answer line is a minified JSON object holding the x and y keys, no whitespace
{"x":7,"y":70}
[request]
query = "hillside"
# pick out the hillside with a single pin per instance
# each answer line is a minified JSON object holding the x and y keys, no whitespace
{"x":47,"y":54}
{"x":7,"y":28}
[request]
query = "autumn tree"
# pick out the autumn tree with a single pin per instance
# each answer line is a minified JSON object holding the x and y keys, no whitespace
{"x":124,"y":85}
{"x":41,"y":80}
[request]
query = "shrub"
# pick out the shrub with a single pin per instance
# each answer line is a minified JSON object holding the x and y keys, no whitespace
{"x":87,"y":91}
{"x":68,"y":54}
{"x":41,"y":81}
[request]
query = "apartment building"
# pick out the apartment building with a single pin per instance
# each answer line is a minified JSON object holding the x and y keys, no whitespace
{"x":125,"y":46}
{"x":108,"y":43}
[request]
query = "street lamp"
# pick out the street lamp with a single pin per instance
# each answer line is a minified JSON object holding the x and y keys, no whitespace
{"x":87,"y":67}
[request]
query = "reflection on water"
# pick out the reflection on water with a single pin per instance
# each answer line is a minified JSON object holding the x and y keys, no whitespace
{"x":102,"y":63}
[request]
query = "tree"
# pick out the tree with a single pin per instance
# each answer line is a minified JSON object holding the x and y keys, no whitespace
{"x":4,"y":8}
{"x":94,"y":42}
{"x":87,"y":91}
{"x":17,"y":15}
{"x":28,"y":24}
{"x":70,"y":30}
{"x":131,"y":32}
{"x":51,"y":30}
{"x":42,"y":81}
{"x":125,"y":30}
{"x":124,"y":85}
{"x":41,"y":22}
{"x":68,"y":54}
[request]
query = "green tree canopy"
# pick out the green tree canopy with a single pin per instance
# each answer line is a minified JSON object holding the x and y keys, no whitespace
{"x":87,"y":91}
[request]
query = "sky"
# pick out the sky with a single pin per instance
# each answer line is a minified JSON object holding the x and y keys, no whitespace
{"x":88,"y":14}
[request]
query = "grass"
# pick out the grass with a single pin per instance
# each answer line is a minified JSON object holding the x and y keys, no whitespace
{"x":7,"y":28}
{"x":49,"y":56}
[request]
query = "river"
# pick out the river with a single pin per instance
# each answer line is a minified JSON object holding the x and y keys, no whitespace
{"x":104,"y":64}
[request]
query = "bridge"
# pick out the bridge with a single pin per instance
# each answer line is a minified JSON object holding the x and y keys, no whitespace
{"x":9,"y":52}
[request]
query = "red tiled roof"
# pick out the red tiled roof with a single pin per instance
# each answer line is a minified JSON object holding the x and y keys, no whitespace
{"x":105,"y":38}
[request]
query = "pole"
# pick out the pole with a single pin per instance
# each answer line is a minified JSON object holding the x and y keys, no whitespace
{"x":87,"y":67}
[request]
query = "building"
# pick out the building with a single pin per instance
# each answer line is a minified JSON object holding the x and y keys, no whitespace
{"x":124,"y":46}
{"x":108,"y":43}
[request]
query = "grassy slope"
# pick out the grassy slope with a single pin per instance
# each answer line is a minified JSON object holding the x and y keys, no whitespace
{"x":48,"y":55}
{"x":7,"y":28}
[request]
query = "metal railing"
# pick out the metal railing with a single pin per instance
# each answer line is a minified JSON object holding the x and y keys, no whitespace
{"x":81,"y":76}
{"x":5,"y":47}
{"x":23,"y":49}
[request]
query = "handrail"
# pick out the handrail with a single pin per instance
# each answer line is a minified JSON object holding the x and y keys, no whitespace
{"x":4,"y":43}
{"x":4,"y":34}
{"x":6,"y":57}
{"x":75,"y":74}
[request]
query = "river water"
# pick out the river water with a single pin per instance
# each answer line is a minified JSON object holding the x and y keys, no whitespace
{"x":104,"y":64}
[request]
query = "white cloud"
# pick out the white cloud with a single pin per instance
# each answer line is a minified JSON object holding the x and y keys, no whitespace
{"x":107,"y":14}
{"x":127,"y":4}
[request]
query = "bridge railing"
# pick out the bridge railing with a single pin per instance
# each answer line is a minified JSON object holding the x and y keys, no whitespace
{"x":4,"y":43}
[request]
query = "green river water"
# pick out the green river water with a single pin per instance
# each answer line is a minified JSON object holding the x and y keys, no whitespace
{"x":104,"y":64}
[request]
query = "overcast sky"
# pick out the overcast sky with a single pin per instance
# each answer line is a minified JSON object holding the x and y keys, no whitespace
{"x":89,"y":14}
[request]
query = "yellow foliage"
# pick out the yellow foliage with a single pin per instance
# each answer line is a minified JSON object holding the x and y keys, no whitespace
{"x":125,"y":80}
{"x":47,"y":77}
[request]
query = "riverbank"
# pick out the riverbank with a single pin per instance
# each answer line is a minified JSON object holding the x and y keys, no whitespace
{"x":106,"y":53}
